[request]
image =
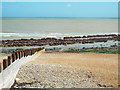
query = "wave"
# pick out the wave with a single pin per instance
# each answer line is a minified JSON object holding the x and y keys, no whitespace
{"x":32,"y":35}
{"x":47,"y":34}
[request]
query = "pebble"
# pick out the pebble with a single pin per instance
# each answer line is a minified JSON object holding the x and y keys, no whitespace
{"x":53,"y":76}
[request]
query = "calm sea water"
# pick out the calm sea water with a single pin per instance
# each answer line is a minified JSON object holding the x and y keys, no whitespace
{"x":16,"y":28}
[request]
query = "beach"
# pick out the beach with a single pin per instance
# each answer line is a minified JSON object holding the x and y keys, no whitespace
{"x":67,"y":45}
{"x":73,"y":57}
{"x":69,"y":70}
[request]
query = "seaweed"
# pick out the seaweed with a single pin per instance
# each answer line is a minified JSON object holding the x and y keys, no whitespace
{"x":108,"y":50}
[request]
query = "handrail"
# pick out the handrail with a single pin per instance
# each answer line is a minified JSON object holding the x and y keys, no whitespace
{"x":17,"y":55}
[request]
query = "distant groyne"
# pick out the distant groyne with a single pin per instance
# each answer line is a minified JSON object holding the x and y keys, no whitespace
{"x":9,"y":67}
{"x":58,"y":41}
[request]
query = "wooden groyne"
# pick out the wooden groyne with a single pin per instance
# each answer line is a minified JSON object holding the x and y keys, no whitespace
{"x":56,"y":41}
{"x":9,"y":67}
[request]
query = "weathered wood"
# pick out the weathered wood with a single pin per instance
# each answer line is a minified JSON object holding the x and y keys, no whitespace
{"x":1,"y":67}
{"x":5,"y":63}
{"x":13,"y":57}
{"x":9,"y":60}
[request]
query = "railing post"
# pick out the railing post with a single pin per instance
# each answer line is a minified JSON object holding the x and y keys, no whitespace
{"x":24,"y":53}
{"x":5,"y":63}
{"x":27,"y":52}
{"x":34,"y":51}
{"x":1,"y":67}
{"x":13,"y":57}
{"x":30,"y":52}
{"x":16,"y":54}
{"x":9,"y":60}
{"x":19,"y":54}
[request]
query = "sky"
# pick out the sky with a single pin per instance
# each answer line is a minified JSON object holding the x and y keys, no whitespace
{"x":60,"y":9}
{"x":60,"y":0}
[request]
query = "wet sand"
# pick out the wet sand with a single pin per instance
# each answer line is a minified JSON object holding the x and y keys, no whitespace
{"x":70,"y":70}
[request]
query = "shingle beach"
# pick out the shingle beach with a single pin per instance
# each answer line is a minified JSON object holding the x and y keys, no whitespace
{"x":69,"y":70}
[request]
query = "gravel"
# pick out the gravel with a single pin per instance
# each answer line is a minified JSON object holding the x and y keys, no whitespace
{"x":37,"y":75}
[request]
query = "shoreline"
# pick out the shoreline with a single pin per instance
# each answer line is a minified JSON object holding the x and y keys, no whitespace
{"x":42,"y":35}
{"x":68,"y":40}
{"x":14,"y":35}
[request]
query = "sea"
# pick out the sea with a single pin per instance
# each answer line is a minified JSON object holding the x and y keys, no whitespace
{"x":26,"y":28}
{"x":20,"y":28}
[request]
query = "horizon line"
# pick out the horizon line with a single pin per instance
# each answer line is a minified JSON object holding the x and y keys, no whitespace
{"x":62,"y":17}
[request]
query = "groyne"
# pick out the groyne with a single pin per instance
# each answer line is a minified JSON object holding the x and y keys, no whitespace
{"x":9,"y":67}
{"x":58,"y":41}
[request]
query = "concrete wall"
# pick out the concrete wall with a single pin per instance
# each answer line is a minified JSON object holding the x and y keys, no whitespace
{"x":9,"y":67}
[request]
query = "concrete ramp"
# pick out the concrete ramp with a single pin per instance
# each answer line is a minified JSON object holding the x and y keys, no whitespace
{"x":9,"y":67}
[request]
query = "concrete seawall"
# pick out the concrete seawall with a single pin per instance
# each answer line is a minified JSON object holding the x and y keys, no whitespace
{"x":9,"y":67}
